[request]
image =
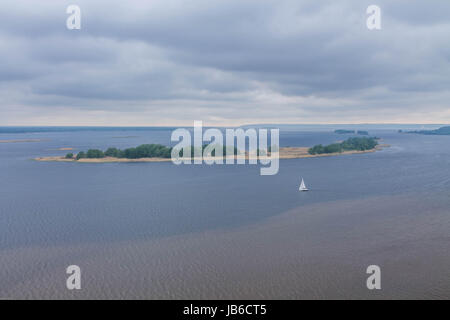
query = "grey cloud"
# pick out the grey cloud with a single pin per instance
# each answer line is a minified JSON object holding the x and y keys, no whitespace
{"x":227,"y":60}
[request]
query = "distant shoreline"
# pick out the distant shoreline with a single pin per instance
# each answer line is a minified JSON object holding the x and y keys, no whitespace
{"x":285,"y":153}
{"x":23,"y":140}
{"x":443,"y":131}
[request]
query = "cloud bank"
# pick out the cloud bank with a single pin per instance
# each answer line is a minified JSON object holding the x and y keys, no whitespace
{"x":226,"y":62}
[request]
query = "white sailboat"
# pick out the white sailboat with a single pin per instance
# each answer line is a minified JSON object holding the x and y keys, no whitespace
{"x":303,"y":186}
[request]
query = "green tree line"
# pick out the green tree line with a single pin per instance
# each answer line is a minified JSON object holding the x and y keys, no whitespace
{"x":142,"y":151}
{"x":359,"y":144}
{"x":225,"y":150}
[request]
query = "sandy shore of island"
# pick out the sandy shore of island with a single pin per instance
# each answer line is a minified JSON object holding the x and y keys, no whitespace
{"x":285,"y":153}
{"x":301,"y":152}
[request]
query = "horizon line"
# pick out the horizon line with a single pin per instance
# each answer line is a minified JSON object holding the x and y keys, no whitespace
{"x":242,"y":125}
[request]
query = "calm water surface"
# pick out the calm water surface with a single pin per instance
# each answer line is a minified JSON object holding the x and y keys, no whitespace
{"x":127,"y":219}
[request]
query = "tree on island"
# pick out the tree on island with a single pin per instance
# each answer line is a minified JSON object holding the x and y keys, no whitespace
{"x":81,"y":155}
{"x":225,"y":150}
{"x":69,"y":156}
{"x":112,"y":152}
{"x":95,"y":154}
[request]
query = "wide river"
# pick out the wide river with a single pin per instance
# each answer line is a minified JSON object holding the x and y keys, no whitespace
{"x":161,"y":231}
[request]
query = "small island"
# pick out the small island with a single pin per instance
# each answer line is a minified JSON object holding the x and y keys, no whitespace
{"x":351,"y":144}
{"x":342,"y":131}
{"x":161,"y":153}
{"x":360,"y":132}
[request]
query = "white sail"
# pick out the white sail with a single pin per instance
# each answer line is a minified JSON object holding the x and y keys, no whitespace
{"x":303,"y":186}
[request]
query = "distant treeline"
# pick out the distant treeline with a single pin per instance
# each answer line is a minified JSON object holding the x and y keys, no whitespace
{"x":231,"y":150}
{"x":360,"y":132}
{"x":351,"y":144}
{"x":444,"y":131}
{"x":142,"y":151}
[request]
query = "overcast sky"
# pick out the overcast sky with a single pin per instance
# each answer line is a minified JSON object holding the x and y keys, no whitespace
{"x":226,"y":62}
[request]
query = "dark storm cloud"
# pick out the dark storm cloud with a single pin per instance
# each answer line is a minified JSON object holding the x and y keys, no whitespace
{"x":226,"y":61}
